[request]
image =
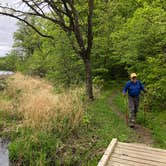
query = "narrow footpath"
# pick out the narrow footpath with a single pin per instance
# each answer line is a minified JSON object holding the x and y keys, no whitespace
{"x":144,"y":134}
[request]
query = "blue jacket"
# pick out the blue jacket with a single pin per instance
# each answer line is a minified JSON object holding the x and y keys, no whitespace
{"x":133,"y":89}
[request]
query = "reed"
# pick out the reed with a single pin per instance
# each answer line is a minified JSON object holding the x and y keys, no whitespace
{"x":40,"y":107}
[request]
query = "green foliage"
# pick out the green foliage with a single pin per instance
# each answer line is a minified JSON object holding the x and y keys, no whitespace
{"x":55,"y":60}
{"x":98,"y":82}
{"x":11,"y":62}
{"x":86,"y":120}
{"x":140,"y":44}
{"x":155,"y":78}
{"x":109,"y":18}
{"x":129,"y":36}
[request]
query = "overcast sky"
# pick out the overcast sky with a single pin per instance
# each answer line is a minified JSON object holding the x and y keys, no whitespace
{"x":7,"y":28}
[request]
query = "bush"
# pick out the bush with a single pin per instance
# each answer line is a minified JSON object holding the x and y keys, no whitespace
{"x":154,"y":77}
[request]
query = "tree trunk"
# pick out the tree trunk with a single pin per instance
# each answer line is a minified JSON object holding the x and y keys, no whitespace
{"x":88,"y":73}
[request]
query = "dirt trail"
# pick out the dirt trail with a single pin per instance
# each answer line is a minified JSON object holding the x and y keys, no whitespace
{"x":144,"y":134}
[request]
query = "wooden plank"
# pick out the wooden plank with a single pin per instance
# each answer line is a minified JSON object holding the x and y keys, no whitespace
{"x":118,"y":164}
{"x":143,"y":147}
{"x":141,"y":150}
{"x":130,"y":154}
{"x":107,"y":153}
{"x":137,"y":160}
{"x":116,"y":161}
{"x":140,"y":156}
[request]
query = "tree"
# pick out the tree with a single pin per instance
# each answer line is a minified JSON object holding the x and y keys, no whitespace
{"x":109,"y":17}
{"x":55,"y":61}
{"x":67,"y":14}
{"x":141,"y":45}
{"x":10,"y":62}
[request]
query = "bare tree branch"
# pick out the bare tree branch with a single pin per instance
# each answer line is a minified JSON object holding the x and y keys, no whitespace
{"x":69,"y":13}
{"x":54,"y":7}
{"x":31,"y":7}
{"x":38,"y":7}
{"x":76,"y":27}
{"x":19,"y":13}
{"x":29,"y":24}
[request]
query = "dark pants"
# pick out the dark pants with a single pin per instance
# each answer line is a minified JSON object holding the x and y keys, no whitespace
{"x":133,"y":106}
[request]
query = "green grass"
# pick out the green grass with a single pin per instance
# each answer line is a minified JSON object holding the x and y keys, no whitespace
{"x":156,"y":121}
{"x":86,"y":144}
{"x":105,"y":125}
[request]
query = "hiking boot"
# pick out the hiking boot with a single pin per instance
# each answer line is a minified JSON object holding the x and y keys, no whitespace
{"x":132,"y":123}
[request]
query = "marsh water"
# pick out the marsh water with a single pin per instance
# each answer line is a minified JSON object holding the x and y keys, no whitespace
{"x":4,"y":155}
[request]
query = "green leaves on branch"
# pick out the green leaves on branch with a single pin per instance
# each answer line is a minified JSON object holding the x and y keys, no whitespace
{"x":141,"y":44}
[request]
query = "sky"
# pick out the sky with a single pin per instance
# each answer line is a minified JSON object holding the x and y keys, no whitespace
{"x":7,"y":28}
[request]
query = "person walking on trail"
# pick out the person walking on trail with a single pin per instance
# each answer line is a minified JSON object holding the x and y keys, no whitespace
{"x":134,"y":88}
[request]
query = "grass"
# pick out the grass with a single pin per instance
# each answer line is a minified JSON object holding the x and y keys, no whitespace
{"x":103,"y":126}
{"x":39,"y":106}
{"x":156,"y":121}
{"x":35,"y":118}
{"x":77,"y":135}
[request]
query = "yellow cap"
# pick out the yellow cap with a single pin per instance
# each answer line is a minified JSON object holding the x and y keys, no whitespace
{"x":133,"y":75}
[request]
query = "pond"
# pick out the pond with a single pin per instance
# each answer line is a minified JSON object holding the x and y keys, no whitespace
{"x":4,"y":154}
{"x":5,"y":73}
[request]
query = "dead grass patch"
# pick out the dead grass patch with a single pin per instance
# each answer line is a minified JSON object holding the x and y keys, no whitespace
{"x":40,"y":107}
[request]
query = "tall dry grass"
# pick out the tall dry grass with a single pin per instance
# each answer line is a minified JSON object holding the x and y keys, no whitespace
{"x":5,"y":105}
{"x":40,"y":107}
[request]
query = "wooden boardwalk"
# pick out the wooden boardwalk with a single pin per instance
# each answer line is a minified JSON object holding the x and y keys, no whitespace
{"x":132,"y":154}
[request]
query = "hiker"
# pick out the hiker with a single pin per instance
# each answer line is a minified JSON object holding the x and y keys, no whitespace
{"x":134,"y":88}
